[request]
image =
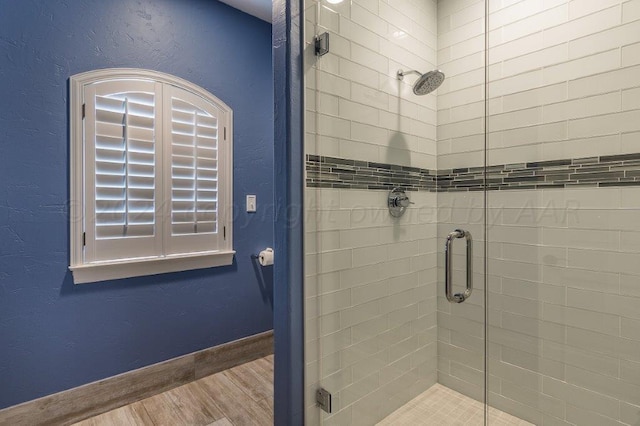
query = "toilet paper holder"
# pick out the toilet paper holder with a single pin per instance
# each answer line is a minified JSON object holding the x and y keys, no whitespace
{"x":265,"y":257}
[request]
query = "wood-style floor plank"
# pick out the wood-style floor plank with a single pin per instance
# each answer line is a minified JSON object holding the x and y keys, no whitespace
{"x":195,"y":405}
{"x":239,"y":396}
{"x":133,"y":414}
{"x":267,"y":404}
{"x":266,"y":363}
{"x":221,"y":422}
{"x":254,"y":384}
{"x":237,"y":405}
{"x":265,"y":380}
{"x":162,"y":411}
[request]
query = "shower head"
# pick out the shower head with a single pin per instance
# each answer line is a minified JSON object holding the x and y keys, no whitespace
{"x":426,"y":83}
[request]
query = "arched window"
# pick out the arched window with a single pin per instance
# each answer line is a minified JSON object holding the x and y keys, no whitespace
{"x":151,"y":175}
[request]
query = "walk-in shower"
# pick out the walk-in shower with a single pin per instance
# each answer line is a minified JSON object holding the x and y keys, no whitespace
{"x":532,"y":145}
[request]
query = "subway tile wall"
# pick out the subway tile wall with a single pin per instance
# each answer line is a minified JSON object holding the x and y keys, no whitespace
{"x":564,"y":305}
{"x":356,"y":106}
{"x":563,"y":280}
{"x":370,"y":279}
{"x":563,"y":80}
{"x":461,"y":97}
{"x":370,"y":302}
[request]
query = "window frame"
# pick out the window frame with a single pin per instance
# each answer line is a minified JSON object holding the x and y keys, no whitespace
{"x":84,"y":272}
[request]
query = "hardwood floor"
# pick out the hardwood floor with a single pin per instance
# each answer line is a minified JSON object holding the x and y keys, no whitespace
{"x":240,"y":396}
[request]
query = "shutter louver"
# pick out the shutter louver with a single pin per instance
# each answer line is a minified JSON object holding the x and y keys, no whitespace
{"x":125,"y":163}
{"x":194,"y":169}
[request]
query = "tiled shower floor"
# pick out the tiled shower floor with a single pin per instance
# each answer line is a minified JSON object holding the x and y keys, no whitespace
{"x":441,"y":406}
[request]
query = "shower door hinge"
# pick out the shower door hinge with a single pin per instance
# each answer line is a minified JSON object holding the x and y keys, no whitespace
{"x":323,"y":399}
{"x":322,"y":44}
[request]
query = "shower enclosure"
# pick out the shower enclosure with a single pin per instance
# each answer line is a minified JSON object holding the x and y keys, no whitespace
{"x":472,"y":212}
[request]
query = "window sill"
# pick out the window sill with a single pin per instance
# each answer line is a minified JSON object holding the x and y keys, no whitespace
{"x":102,"y":271}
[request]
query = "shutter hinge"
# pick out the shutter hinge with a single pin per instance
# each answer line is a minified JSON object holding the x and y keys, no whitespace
{"x":224,"y":232}
{"x":84,"y":110}
{"x":84,"y":239}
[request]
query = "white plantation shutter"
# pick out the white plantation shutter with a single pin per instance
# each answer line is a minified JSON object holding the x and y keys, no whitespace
{"x":151,"y":178}
{"x":192,"y":185}
{"x":194,"y":169}
{"x":121,"y":126}
{"x":125,"y":165}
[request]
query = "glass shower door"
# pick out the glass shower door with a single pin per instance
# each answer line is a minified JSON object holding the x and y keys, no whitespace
{"x":383,"y":341}
{"x":564,"y":270}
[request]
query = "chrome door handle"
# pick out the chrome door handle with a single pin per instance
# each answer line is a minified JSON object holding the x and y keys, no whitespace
{"x":448,"y":285}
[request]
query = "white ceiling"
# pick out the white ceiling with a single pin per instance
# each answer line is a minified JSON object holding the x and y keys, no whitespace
{"x":258,"y":8}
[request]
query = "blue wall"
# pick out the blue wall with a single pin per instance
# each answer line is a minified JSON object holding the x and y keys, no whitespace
{"x":54,"y":335}
{"x":289,"y":183}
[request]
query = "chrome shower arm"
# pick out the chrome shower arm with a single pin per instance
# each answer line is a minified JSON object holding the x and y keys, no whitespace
{"x":402,"y":73}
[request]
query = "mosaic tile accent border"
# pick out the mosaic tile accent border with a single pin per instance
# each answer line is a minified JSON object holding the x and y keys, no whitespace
{"x":332,"y":172}
{"x":603,"y":171}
